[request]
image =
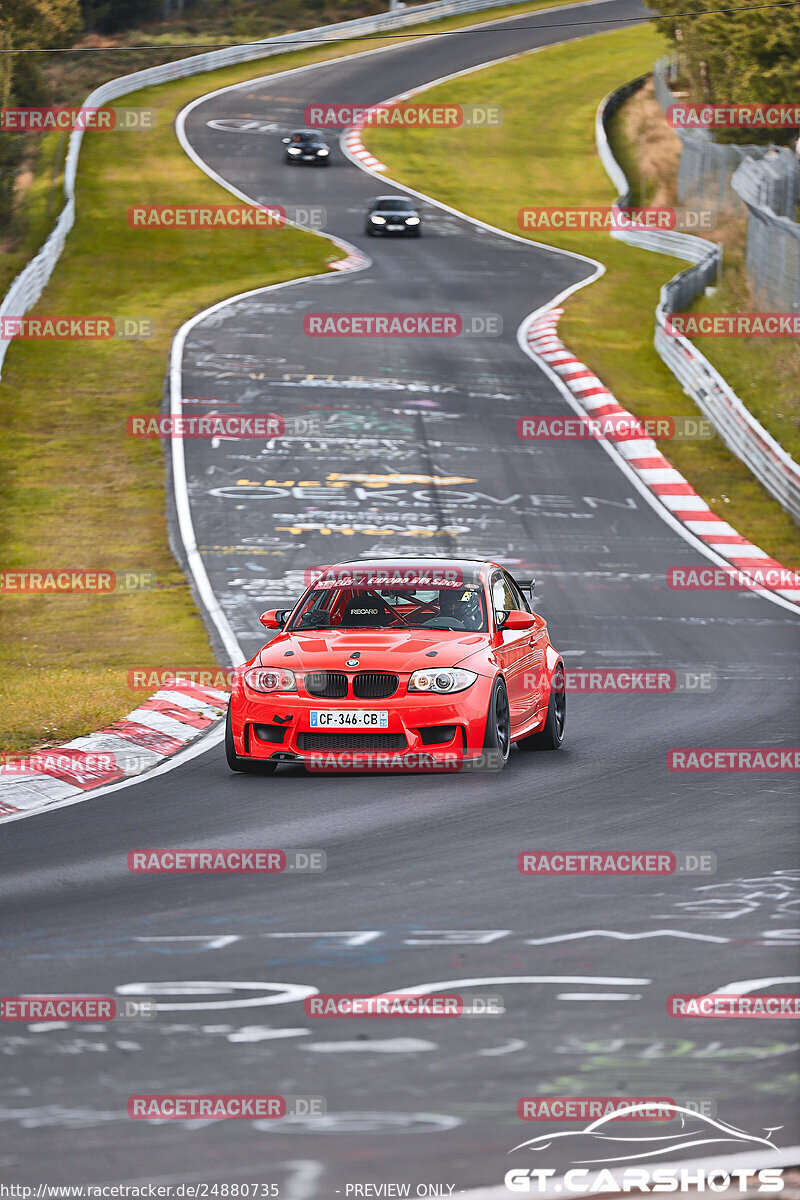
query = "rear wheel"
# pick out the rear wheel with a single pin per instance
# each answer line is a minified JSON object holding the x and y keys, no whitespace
{"x":551,"y":735}
{"x":235,"y":761}
{"x":497,"y":738}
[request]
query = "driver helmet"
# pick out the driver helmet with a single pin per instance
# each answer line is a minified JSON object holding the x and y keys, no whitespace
{"x":462,"y":604}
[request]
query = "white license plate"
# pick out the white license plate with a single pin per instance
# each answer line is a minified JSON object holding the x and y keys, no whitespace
{"x":394,"y":228}
{"x":353,"y":718}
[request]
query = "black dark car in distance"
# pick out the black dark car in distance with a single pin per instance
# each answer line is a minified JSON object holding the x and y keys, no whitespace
{"x":307,"y":146}
{"x":393,"y":216}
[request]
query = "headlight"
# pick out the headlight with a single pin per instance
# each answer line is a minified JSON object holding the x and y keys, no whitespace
{"x":378,"y":220}
{"x":270,"y":679}
{"x":295,"y":150}
{"x":449,"y":680}
{"x":323,"y":150}
{"x":412,"y":220}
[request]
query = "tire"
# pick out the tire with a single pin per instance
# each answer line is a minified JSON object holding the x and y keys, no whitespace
{"x":497,"y":738}
{"x":236,"y":762}
{"x":551,"y":735}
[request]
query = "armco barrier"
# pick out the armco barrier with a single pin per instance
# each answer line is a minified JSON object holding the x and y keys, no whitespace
{"x":741,"y":432}
{"x":28,"y":286}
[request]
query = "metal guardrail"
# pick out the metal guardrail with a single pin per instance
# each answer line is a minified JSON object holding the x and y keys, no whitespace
{"x":741,"y":432}
{"x":28,"y":286}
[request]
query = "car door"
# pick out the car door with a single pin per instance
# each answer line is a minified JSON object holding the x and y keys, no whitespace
{"x":532,"y":667}
{"x":512,"y":647}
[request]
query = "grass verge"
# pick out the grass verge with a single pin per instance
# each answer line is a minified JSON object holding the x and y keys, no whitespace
{"x":76,"y":492}
{"x":546,"y":146}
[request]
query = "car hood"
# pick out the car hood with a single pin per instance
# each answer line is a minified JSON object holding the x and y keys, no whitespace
{"x":379,"y":650}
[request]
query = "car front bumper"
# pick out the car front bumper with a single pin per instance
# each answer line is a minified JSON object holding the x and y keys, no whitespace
{"x":423,"y":732}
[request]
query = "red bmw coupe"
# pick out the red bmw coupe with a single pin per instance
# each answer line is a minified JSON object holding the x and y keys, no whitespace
{"x":399,"y":664}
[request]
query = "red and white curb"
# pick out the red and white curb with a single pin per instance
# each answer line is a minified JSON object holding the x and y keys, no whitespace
{"x":648,"y":463}
{"x":162,"y":725}
{"x":351,"y":140}
{"x":353,"y":261}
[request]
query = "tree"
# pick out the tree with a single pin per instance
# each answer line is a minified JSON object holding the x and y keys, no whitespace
{"x":27,"y":25}
{"x":745,"y":56}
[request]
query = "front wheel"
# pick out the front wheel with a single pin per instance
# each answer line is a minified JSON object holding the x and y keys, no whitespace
{"x":551,"y":735}
{"x":497,"y":738}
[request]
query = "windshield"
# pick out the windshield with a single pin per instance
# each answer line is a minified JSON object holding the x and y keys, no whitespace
{"x":448,"y":608}
{"x":394,"y":205}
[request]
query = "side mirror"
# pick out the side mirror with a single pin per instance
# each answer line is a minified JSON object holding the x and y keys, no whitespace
{"x":517,"y":619}
{"x":286,"y":141}
{"x":274,"y":618}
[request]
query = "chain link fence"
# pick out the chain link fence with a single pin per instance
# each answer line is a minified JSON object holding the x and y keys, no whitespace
{"x":741,"y":432}
{"x":763,"y":181}
{"x":773,"y":238}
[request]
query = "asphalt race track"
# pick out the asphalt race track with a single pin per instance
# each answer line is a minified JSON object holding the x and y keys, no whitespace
{"x":421,"y":885}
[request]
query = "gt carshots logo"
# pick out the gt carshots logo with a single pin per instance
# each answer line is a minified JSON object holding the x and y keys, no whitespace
{"x":606,"y":1141}
{"x":582,"y":1182}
